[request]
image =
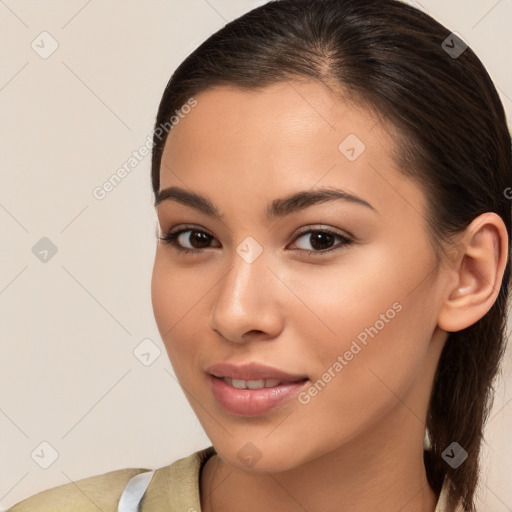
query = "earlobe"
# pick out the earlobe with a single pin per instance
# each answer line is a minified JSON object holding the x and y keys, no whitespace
{"x":476,"y":273}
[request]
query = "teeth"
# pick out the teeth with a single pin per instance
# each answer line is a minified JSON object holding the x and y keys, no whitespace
{"x":251,"y":384}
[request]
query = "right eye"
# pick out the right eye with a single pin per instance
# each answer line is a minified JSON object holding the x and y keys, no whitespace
{"x":179,"y":237}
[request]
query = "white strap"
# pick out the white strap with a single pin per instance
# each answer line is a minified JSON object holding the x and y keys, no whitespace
{"x":134,"y":491}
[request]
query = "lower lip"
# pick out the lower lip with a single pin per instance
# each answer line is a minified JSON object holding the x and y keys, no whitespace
{"x":252,"y":402}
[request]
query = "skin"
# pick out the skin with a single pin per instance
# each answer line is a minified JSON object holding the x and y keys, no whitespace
{"x":358,"y":444}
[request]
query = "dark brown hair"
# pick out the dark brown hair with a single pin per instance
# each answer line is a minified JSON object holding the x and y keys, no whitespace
{"x":452,"y":138}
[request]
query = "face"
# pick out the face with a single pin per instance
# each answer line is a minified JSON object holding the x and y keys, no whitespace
{"x":342,"y":292}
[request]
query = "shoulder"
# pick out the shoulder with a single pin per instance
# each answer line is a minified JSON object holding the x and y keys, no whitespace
{"x":99,"y":492}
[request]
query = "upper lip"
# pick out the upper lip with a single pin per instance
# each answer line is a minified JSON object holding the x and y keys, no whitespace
{"x":251,"y":371}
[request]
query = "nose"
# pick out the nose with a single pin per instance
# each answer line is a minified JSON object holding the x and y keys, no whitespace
{"x":247,"y":304}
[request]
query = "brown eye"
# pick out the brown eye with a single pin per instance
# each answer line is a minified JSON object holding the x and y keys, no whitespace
{"x":320,"y":241}
{"x":196,"y":238}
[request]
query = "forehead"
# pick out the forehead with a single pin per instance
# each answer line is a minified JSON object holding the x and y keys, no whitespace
{"x":285,"y":137}
{"x":290,"y":113}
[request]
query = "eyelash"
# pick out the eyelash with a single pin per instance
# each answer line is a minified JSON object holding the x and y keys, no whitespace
{"x":171,"y":239}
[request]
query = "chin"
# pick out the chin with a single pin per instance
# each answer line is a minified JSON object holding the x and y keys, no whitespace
{"x":260,"y":456}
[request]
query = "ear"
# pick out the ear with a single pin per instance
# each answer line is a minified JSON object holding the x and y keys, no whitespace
{"x":476,"y":270}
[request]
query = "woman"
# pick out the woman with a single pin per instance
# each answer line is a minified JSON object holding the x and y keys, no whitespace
{"x":331,"y":277}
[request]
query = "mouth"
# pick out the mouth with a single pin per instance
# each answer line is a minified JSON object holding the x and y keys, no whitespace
{"x":258,"y":384}
{"x":252,"y":389}
{"x":252,"y":375}
{"x":254,"y":397}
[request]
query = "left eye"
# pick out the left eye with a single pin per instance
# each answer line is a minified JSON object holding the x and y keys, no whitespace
{"x":319,"y":239}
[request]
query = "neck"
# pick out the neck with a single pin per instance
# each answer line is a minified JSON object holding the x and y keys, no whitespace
{"x":378,"y":471}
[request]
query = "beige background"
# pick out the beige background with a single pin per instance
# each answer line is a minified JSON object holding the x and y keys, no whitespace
{"x":69,"y":326}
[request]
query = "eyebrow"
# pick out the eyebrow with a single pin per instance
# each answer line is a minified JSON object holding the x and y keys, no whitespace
{"x":276,"y":208}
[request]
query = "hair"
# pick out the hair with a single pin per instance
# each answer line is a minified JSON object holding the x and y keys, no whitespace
{"x":451,"y":136}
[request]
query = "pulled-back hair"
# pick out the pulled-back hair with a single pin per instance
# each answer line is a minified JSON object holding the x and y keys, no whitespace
{"x":452,"y":138}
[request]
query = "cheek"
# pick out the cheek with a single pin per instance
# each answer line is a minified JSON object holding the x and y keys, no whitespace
{"x":176,"y":299}
{"x":355,"y":383}
{"x":163,"y":294}
{"x":175,"y":291}
{"x":333,"y":304}
{"x":354,"y":322}
{"x":365,"y":333}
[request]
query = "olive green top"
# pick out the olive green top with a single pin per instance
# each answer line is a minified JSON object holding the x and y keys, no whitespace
{"x":173,"y":488}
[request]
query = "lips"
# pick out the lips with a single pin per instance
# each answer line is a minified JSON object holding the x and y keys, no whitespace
{"x":253,"y":372}
{"x":253,"y":402}
{"x":252,"y":389}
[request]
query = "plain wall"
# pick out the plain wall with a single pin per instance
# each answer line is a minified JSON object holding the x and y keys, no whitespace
{"x":69,"y":326}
